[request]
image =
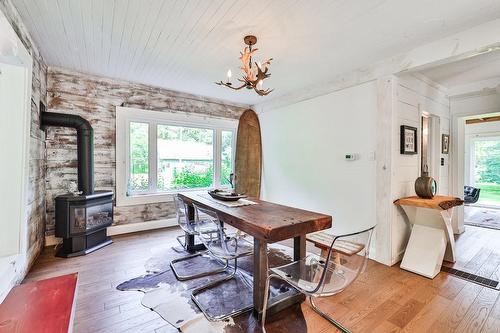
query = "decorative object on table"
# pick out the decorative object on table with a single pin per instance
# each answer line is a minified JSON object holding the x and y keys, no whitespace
{"x":225,"y":195}
{"x":425,"y":186}
{"x":248,"y":158}
{"x":445,"y":143}
{"x":232,"y":179}
{"x":408,"y":140}
{"x":252,"y":78}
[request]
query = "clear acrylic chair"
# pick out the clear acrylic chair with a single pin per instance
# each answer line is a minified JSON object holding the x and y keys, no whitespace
{"x":222,"y":246}
{"x":205,"y":226}
{"x":316,"y":276}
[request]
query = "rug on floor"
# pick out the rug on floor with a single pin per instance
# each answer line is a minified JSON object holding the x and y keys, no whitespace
{"x":482,"y":217}
{"x":171,"y":298}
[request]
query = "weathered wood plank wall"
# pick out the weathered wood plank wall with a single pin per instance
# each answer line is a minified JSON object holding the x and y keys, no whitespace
{"x":95,"y":98}
{"x":36,"y":192}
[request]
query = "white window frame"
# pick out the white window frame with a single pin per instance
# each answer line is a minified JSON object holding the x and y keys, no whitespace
{"x":125,"y":115}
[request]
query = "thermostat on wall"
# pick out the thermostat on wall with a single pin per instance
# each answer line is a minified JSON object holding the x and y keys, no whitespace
{"x":351,"y":157}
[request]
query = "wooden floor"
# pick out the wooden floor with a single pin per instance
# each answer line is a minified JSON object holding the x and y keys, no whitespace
{"x":384,"y":299}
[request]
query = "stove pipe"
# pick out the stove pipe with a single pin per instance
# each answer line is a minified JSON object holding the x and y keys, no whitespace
{"x":85,"y":145}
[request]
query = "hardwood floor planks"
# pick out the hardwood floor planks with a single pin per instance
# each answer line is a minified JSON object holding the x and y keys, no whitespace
{"x":429,"y":314}
{"x":475,"y":318}
{"x":456,"y":310}
{"x":383,"y":299}
{"x":406,"y":313}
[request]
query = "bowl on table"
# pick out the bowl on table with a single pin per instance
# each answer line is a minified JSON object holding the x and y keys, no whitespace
{"x":226,"y":195}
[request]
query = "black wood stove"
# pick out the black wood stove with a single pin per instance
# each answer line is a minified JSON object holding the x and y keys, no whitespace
{"x":81,"y":219}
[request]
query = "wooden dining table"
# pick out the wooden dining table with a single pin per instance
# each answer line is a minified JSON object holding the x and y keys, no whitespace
{"x":266,"y":222}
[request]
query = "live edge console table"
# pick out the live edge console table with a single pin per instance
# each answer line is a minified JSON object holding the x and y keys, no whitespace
{"x":431,"y":238}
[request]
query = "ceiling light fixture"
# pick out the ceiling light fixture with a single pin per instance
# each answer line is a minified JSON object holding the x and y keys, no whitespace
{"x":253,"y":78}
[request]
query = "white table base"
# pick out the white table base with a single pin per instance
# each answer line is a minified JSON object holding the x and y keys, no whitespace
{"x":431,"y":240}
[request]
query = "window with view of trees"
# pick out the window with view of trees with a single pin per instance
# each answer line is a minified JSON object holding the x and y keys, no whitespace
{"x":226,"y":157}
{"x":171,"y":157}
{"x":139,"y":161}
{"x":487,"y":170}
{"x":185,"y":157}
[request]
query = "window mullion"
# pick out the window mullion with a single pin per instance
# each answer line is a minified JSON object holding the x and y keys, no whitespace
{"x":233,"y":152}
{"x":127,"y":157}
{"x":217,"y":161}
{"x":153,"y":160}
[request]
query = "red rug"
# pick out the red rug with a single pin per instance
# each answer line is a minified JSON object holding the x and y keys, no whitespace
{"x":44,"y":306}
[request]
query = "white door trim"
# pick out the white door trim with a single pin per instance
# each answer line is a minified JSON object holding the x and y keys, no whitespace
{"x":457,"y":159}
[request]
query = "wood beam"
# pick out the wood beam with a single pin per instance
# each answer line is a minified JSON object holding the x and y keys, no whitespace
{"x":482,"y":120}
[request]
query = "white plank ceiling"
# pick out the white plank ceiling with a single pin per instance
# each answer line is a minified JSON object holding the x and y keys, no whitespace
{"x":479,"y":68}
{"x":186,"y":45}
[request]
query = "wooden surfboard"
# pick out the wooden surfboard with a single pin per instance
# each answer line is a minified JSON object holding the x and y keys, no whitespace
{"x":248,"y":159}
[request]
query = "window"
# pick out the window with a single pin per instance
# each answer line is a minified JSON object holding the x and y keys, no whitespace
{"x":185,"y":157}
{"x":139,"y":157}
{"x":160,"y":153}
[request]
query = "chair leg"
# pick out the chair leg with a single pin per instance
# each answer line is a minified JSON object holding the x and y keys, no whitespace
{"x":183,"y":247}
{"x":183,"y":244}
{"x":327,"y":317}
{"x":199,"y":290}
{"x":266,"y":299}
{"x":194,"y":276}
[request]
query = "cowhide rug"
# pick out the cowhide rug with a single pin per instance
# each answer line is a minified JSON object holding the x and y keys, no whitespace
{"x":171,"y":298}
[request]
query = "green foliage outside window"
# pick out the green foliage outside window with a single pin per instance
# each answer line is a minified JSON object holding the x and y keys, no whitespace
{"x":487,"y":154}
{"x":226,"y":157}
{"x":187,"y":177}
{"x":487,"y":170}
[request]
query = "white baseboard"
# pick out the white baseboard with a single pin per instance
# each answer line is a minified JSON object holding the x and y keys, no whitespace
{"x":140,"y":226}
{"x":120,"y":229}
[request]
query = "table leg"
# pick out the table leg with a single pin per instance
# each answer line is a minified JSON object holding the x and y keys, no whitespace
{"x":259,"y":274}
{"x":431,"y":234}
{"x":189,"y":239}
{"x":448,"y":230}
{"x":284,"y":299}
{"x":299,"y":247}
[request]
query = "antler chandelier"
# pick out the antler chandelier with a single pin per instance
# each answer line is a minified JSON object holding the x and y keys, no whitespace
{"x":252,"y":78}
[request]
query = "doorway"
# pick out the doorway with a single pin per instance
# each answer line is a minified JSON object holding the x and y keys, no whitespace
{"x":482,"y":172}
{"x":429,"y":145}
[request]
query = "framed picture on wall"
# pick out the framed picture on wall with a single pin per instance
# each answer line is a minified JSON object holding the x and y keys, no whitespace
{"x":408,"y":144}
{"x":445,"y":143}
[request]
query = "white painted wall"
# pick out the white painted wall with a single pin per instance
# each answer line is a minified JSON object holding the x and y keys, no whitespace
{"x":414,"y":95}
{"x":304,"y":146}
{"x":303,"y":156}
{"x":479,"y":130}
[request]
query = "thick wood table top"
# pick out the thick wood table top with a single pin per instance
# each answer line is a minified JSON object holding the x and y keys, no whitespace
{"x":265,"y":220}
{"x":440,"y":202}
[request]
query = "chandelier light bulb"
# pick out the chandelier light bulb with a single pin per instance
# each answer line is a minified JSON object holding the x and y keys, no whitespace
{"x":229,"y":74}
{"x":260,"y":84}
